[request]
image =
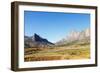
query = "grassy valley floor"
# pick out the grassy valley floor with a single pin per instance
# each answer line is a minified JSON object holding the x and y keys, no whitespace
{"x":57,"y":53}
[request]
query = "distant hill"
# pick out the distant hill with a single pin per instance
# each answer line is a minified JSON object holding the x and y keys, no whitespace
{"x":76,"y":37}
{"x":36,"y":41}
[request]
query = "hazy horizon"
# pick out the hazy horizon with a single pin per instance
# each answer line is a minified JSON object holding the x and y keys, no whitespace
{"x":54,"y":25}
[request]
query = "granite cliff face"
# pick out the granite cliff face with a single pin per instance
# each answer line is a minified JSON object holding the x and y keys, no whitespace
{"x":82,"y":36}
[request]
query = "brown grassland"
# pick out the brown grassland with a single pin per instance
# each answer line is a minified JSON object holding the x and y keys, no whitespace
{"x":57,"y":53}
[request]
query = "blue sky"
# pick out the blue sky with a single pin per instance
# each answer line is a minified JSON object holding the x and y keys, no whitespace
{"x":54,"y":25}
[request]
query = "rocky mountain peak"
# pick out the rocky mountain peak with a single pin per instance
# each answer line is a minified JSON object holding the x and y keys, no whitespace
{"x":36,"y":37}
{"x":73,"y":35}
{"x":36,"y":40}
{"x":76,"y":36}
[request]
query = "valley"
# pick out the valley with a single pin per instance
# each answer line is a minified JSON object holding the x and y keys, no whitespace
{"x":74,"y":46}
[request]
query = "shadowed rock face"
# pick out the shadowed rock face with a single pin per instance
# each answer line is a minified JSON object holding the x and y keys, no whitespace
{"x":36,"y":41}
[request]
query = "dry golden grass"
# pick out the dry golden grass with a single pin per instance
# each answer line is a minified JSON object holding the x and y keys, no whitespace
{"x":57,"y":53}
{"x":42,"y":58}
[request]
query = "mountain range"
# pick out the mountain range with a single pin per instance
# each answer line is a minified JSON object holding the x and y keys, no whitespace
{"x":73,"y":36}
{"x":76,"y":36}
